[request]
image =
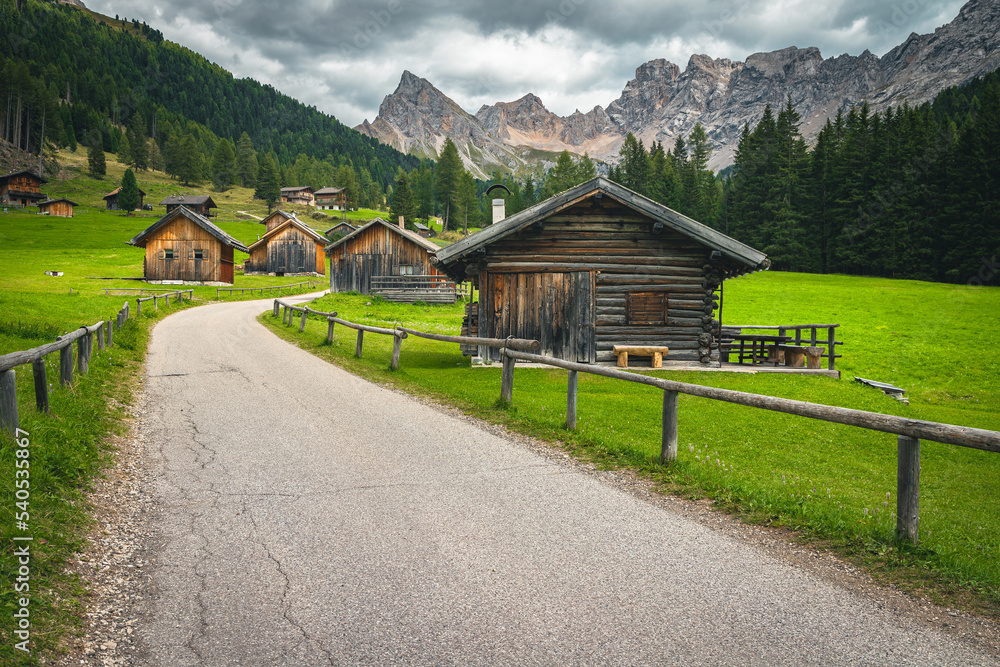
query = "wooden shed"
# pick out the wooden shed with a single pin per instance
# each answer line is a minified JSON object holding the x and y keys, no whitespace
{"x":60,"y":207}
{"x":183,"y":246}
{"x":21,"y":188}
{"x":111,"y":199}
{"x":200,"y":204}
{"x":599,"y":266}
{"x":378,"y":249}
{"x":288,"y":248}
{"x":339,"y":231}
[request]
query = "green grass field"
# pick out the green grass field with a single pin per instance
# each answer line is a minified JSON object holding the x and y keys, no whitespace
{"x":834,"y":483}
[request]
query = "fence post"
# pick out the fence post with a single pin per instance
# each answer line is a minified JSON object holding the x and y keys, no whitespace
{"x":329,"y":330}
{"x":100,"y":338}
{"x":907,"y":488}
{"x":276,"y":308}
{"x":668,"y":448}
{"x":361,"y":339}
{"x":154,"y":303}
{"x":138,"y":308}
{"x":302,"y":326}
{"x":41,"y":385}
{"x":81,"y":354}
{"x":571,"y":401}
{"x":66,"y":365}
{"x":507,"y":380}
{"x":9,"y":419}
{"x":831,"y":344}
{"x":111,"y":335}
{"x":397,"y":343}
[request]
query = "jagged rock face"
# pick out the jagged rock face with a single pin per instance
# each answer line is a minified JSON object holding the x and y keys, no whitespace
{"x":662,"y":102}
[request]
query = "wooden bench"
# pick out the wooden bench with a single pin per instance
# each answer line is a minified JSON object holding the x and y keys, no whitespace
{"x":654,"y":352}
{"x":801,"y":355}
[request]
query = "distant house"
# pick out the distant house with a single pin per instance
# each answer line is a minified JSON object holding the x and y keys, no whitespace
{"x":298,"y":195}
{"x":111,"y":199}
{"x":60,"y":207}
{"x":331,"y":199}
{"x":200,"y":204}
{"x":21,"y":188}
{"x":287,"y":248}
{"x":423,"y":230}
{"x":600,"y":266}
{"x":184,"y":246}
{"x":378,"y":249}
{"x":339,"y":230}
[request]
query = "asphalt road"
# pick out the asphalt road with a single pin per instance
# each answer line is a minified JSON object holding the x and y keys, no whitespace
{"x":307,"y":517}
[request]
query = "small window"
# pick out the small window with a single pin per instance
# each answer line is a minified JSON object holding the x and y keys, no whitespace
{"x":168,"y":254}
{"x":405,"y":270}
{"x":199,"y":254}
{"x":646,"y":308}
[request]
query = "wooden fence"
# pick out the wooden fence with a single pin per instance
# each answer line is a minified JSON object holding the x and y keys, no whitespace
{"x":84,"y":338}
{"x":408,"y":289}
{"x":813,"y":339}
{"x":909,"y":432}
{"x":244,"y":290}
{"x":166,"y":297}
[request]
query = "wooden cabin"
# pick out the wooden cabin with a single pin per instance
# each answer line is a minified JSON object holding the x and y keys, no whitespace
{"x":599,"y":266}
{"x":184,"y":246}
{"x":21,"y":188}
{"x":330,"y":199}
{"x":378,"y":249}
{"x":339,"y":231}
{"x":275,"y":218}
{"x":111,"y":199}
{"x":200,"y":204}
{"x":288,"y":249}
{"x":60,"y":207}
{"x":298,"y":195}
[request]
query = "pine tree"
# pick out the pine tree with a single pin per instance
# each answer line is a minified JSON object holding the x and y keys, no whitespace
{"x":190,"y":161}
{"x":633,"y":166}
{"x":402,"y":200}
{"x":124,"y":150}
{"x":223,"y":165}
{"x":246,"y":161}
{"x":138,"y":152}
{"x":447,"y":182}
{"x":95,"y":155}
{"x":128,"y":196}
{"x":268,"y":185}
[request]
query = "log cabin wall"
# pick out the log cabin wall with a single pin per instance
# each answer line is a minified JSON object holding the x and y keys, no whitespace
{"x":375,"y":251}
{"x":596,"y":275}
{"x":290,"y":251}
{"x":173,"y":254}
{"x":61,"y":208}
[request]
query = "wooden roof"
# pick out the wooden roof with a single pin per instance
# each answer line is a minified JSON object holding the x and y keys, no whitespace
{"x":53,"y":201}
{"x":119,"y":189}
{"x":741,"y":254}
{"x":298,"y":188}
{"x":188,"y":200}
{"x":276,"y":211}
{"x":339,"y":225}
{"x":405,"y":233}
{"x":7,"y":177}
{"x":142,"y":237}
{"x":289,"y":222}
{"x":328,"y":191}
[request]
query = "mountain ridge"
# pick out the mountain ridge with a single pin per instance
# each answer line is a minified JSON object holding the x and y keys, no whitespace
{"x":663,"y":102}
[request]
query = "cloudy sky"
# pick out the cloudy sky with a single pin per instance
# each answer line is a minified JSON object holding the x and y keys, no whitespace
{"x":344,"y":56}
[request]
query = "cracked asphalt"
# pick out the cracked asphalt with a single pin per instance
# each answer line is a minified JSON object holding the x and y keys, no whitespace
{"x":307,"y":517}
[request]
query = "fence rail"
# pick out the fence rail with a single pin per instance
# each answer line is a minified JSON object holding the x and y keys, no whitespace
{"x":178,"y":293}
{"x":407,"y":289}
{"x":909,"y":432}
{"x":140,"y":290}
{"x":244,"y":290}
{"x":104,"y":330}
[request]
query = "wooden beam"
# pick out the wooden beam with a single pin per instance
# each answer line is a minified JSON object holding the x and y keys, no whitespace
{"x":571,"y":401}
{"x":41,"y":385}
{"x":668,"y":445}
{"x":907,"y":488}
{"x":9,"y":419}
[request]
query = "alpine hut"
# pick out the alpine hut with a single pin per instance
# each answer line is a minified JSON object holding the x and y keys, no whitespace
{"x":184,"y":246}
{"x":62,"y":207}
{"x":200,"y":204}
{"x":21,"y":188}
{"x":378,"y":249}
{"x":596,"y":267}
{"x":275,"y":218}
{"x":287,"y":248}
{"x":111,"y":199}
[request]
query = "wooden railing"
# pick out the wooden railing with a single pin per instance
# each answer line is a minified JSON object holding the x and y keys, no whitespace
{"x":140,"y":290}
{"x":407,"y":289}
{"x":796,"y":337}
{"x":244,"y":290}
{"x":84,"y":337}
{"x":155,"y":298}
{"x":909,"y":432}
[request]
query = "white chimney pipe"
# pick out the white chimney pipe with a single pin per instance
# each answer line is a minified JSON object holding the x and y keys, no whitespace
{"x":402,"y":222}
{"x":499,"y":210}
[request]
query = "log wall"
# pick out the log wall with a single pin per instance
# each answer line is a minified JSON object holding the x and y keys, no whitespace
{"x":376,"y":251}
{"x":525,"y":285}
{"x":184,"y":237}
{"x":291,"y":251}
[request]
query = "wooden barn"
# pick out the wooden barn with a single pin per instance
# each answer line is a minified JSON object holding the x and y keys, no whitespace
{"x":60,"y":207}
{"x":21,"y":188}
{"x":183,"y":246}
{"x":200,"y":204}
{"x":375,"y":250}
{"x":111,"y":199}
{"x":288,"y":248}
{"x":600,"y":266}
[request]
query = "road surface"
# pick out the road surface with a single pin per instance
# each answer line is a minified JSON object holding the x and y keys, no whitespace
{"x":307,"y":517}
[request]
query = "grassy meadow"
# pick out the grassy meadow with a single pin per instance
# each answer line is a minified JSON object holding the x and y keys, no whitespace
{"x":835,"y":484}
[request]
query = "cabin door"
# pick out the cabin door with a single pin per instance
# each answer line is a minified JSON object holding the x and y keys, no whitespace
{"x":556,"y":309}
{"x":290,"y":257}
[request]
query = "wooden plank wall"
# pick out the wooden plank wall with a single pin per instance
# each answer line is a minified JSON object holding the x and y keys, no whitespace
{"x":624,"y":254}
{"x":375,"y":252}
{"x":182,"y":235}
{"x":290,"y":251}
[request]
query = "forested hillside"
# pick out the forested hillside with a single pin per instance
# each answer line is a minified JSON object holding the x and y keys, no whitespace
{"x":83,"y":73}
